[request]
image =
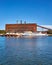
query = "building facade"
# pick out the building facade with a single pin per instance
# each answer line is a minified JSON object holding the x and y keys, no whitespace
{"x":14,"y":28}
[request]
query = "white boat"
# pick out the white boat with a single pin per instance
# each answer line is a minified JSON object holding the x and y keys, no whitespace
{"x":33,"y":34}
{"x":41,"y":34}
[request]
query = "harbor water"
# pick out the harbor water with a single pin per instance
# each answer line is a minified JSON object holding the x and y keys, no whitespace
{"x":26,"y":51}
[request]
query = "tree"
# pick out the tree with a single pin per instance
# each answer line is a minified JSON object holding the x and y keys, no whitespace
{"x":2,"y":31}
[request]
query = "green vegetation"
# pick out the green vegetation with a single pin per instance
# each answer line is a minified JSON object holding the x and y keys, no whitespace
{"x":2,"y":31}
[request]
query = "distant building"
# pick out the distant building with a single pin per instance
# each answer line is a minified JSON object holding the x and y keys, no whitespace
{"x":14,"y":28}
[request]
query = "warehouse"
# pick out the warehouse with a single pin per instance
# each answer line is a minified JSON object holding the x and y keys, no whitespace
{"x":14,"y":28}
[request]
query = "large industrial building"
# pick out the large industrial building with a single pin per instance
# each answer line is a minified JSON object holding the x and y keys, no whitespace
{"x":14,"y":28}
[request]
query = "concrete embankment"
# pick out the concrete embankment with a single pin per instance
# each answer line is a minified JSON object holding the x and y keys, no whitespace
{"x":11,"y":35}
{"x":8,"y":35}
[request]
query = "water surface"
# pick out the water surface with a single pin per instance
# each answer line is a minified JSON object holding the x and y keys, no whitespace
{"x":26,"y":51}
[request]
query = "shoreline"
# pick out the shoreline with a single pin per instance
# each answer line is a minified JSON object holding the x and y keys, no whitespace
{"x":14,"y":35}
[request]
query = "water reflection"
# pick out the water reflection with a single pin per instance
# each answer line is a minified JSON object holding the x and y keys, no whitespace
{"x":26,"y":51}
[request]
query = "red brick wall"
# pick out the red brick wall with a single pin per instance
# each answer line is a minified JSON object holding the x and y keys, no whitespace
{"x":20,"y":27}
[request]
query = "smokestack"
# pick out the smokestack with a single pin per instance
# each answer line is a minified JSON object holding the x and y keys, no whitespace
{"x":20,"y":21}
{"x":24,"y":22}
{"x":17,"y":21}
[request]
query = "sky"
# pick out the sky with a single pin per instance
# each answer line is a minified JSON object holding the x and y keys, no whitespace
{"x":31,"y":11}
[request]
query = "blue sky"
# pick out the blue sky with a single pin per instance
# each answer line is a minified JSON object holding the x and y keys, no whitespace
{"x":31,"y":11}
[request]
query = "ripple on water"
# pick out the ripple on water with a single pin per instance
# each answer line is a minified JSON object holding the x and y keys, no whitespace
{"x":25,"y":51}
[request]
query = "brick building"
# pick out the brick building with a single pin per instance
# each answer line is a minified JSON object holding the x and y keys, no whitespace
{"x":14,"y":28}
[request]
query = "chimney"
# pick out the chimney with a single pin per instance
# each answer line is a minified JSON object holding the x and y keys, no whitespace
{"x":17,"y":21}
{"x":20,"y":21}
{"x":24,"y":22}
